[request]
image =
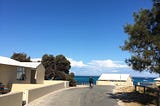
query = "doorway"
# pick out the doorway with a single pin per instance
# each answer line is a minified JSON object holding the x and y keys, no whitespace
{"x":33,"y":80}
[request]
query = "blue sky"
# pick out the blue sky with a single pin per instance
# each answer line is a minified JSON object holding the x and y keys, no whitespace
{"x":87,"y":32}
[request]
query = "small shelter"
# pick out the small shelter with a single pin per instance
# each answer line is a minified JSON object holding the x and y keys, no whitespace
{"x":115,"y":79}
{"x":12,"y":71}
{"x":157,"y":81}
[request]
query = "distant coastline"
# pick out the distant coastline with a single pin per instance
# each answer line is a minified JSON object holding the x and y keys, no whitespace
{"x":80,"y":79}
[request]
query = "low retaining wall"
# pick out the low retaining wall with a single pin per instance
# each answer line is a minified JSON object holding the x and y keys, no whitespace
{"x":47,"y":82}
{"x":11,"y":99}
{"x":23,"y":87}
{"x":35,"y":93}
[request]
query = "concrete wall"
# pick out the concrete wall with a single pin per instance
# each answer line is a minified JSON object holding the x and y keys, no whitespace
{"x":23,"y":87}
{"x":11,"y":99}
{"x":40,"y":72}
{"x":35,"y":93}
{"x":66,"y":83}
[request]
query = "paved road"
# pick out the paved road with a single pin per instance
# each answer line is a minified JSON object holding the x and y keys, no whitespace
{"x":97,"y":96}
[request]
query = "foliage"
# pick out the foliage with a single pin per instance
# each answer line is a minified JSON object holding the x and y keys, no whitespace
{"x":57,"y":68}
{"x":144,"y":40}
{"x":48,"y":62}
{"x":62,"y":64}
{"x":22,"y":57}
{"x":71,"y":80}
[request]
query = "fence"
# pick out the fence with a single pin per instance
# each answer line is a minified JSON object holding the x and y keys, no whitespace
{"x":153,"y":91}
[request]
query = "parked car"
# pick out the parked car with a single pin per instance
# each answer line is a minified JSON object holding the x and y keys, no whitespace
{"x":3,"y":90}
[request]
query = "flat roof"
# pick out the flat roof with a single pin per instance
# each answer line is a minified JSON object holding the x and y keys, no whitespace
{"x":157,"y":79}
{"x":12,"y":62}
{"x":114,"y":77}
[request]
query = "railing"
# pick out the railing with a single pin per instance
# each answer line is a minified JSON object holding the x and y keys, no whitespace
{"x":154,"y":91}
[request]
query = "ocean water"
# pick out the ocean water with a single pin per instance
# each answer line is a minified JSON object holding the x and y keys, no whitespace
{"x":84,"y":79}
{"x":142,"y":80}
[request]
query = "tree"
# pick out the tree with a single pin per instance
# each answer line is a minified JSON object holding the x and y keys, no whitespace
{"x":57,"y":68}
{"x":144,"y":39}
{"x":71,"y":80}
{"x":22,"y":57}
{"x":48,"y":62}
{"x":62,"y":64}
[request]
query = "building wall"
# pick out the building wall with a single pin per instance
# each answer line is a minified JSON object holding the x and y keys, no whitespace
{"x":103,"y":83}
{"x":8,"y":75}
{"x":157,"y":83}
{"x":128,"y":82}
{"x":121,"y":83}
{"x":40,"y":71}
{"x":28,"y":76}
{"x":11,"y":99}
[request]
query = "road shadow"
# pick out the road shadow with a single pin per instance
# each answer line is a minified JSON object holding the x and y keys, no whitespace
{"x":128,"y":97}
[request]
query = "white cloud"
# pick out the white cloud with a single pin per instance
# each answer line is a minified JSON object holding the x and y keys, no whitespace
{"x":35,"y":59}
{"x":75,"y":63}
{"x":98,"y":64}
{"x":97,"y":67}
{"x":115,"y":71}
{"x":107,"y":64}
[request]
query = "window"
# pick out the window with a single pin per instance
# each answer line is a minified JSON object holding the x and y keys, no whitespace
{"x":21,"y":75}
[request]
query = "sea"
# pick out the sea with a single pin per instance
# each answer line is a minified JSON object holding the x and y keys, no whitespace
{"x":145,"y":81}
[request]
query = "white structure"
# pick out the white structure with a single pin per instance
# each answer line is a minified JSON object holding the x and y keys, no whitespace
{"x":115,"y":79}
{"x":157,"y":81}
{"x":12,"y":62}
{"x":12,"y":71}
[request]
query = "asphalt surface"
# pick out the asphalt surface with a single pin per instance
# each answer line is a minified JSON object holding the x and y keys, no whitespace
{"x":78,"y":96}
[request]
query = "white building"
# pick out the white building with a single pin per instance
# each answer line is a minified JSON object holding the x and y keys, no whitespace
{"x":115,"y":79}
{"x":12,"y":71}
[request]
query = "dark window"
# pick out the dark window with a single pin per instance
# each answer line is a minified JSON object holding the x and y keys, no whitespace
{"x":21,"y":75}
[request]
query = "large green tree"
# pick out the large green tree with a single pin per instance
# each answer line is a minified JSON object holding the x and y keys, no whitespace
{"x":144,"y":39}
{"x":57,"y":68}
{"x":22,"y":57}
{"x":48,"y":62}
{"x":62,"y":64}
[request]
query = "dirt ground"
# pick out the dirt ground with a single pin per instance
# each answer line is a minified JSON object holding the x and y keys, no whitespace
{"x":127,"y":97}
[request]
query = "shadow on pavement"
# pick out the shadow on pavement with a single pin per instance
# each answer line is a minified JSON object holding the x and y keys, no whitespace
{"x":128,"y":97}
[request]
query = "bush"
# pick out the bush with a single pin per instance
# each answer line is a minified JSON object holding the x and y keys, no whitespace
{"x":71,"y":80}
